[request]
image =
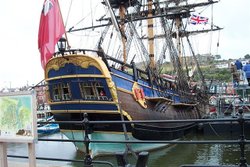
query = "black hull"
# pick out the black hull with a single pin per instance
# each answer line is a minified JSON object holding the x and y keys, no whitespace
{"x":91,"y":117}
{"x":139,"y":131}
{"x":147,"y":133}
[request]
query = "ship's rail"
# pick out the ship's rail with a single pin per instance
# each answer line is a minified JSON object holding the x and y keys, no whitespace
{"x":142,"y":157}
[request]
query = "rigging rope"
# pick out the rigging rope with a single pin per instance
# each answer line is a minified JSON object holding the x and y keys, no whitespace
{"x":91,"y":13}
{"x":125,"y":132}
{"x":68,"y":13}
{"x":139,"y":42}
{"x":181,"y":79}
{"x":218,"y":43}
{"x":103,"y":35}
{"x":211,"y":33}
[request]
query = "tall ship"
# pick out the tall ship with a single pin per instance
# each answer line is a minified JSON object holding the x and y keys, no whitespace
{"x":117,"y":70}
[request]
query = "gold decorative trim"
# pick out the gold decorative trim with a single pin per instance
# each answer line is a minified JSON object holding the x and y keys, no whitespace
{"x":83,"y":61}
{"x":76,"y":76}
{"x":82,"y":102}
{"x":139,"y":95}
{"x":126,"y":115}
{"x":112,"y":88}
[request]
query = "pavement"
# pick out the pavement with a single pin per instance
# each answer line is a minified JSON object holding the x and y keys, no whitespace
{"x":25,"y":164}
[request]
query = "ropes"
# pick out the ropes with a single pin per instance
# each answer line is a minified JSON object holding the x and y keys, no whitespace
{"x":68,"y":13}
{"x":128,"y":145}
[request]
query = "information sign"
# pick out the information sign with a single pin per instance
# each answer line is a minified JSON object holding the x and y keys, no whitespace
{"x":18,"y":117}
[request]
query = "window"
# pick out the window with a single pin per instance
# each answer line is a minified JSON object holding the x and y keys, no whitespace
{"x":87,"y":90}
{"x":61,"y":92}
{"x":56,"y":96}
{"x":93,"y":91}
{"x":65,"y":92}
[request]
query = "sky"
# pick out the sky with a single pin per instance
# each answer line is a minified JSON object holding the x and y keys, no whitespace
{"x":20,"y":58}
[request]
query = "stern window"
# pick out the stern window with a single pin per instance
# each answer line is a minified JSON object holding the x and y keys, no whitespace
{"x":56,"y":93}
{"x":65,"y":92}
{"x":93,"y":91}
{"x":61,"y":92}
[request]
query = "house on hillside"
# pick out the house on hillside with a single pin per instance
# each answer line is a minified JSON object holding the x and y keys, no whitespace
{"x":222,"y":65}
{"x":202,"y":59}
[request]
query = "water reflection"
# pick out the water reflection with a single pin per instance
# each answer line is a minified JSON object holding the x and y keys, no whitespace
{"x":171,"y":156}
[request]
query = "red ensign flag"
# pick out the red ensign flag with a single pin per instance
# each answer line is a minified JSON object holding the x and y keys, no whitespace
{"x":51,"y":29}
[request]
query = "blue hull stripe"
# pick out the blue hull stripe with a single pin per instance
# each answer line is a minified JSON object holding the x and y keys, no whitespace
{"x":84,"y":107}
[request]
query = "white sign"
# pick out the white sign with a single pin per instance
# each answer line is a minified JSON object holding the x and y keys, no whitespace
{"x":18,"y":117}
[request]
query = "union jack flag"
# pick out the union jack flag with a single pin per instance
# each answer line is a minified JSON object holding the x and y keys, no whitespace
{"x":196,"y":19}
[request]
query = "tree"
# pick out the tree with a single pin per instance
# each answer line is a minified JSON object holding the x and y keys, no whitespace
{"x":247,"y":56}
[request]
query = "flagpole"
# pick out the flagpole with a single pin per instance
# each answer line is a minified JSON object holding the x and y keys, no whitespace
{"x":66,"y":37}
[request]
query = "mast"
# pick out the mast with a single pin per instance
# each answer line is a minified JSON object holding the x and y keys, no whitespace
{"x":151,"y":34}
{"x":178,"y":39}
{"x":178,"y":23}
{"x":122,"y":10}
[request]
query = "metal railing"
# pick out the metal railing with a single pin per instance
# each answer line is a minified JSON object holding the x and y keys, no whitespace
{"x":142,"y":157}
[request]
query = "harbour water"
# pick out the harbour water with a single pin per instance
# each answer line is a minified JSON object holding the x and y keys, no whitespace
{"x":172,"y":156}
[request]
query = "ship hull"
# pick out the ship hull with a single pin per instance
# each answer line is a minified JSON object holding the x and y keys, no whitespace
{"x":82,"y":84}
{"x":133,"y":111}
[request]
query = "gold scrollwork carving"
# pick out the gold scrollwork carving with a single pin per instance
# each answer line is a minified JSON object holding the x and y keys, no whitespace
{"x":77,"y":60}
{"x":139,"y":95}
{"x":112,"y":89}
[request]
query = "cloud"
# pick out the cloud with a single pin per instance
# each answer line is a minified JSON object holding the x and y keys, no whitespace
{"x":20,"y":60}
{"x":233,"y":16}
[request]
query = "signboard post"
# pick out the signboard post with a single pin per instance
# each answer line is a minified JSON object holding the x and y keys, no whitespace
{"x":18,"y":123}
{"x":3,"y":153}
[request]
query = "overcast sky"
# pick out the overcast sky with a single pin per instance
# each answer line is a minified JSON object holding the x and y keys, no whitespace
{"x":20,"y":58}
